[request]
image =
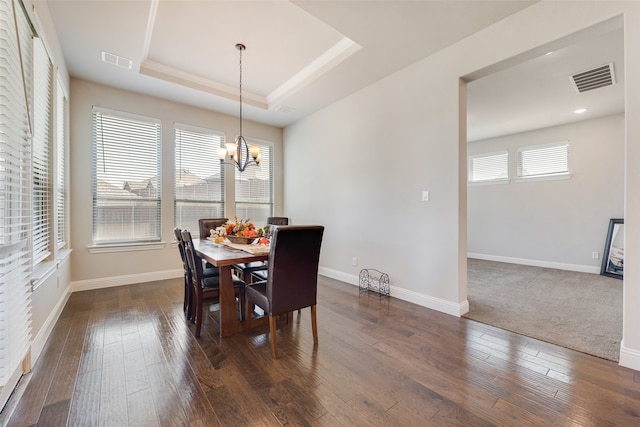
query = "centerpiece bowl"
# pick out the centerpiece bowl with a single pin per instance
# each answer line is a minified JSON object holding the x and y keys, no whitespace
{"x":241,"y":239}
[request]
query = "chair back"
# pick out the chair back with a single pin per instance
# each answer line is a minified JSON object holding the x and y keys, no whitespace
{"x":278,"y":220}
{"x":292,"y":281}
{"x":194,"y":262}
{"x":208,"y":224}
{"x":178,"y":234}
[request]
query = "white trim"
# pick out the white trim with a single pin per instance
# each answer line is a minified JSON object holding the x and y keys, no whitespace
{"x":423,"y":300}
{"x":126,"y":115}
{"x":489,"y":182}
{"x":125,"y":247}
{"x":537,"y":263}
{"x":629,"y":358}
{"x":38,"y":342}
{"x":552,"y":177}
{"x":8,"y":388}
{"x":128,"y":279}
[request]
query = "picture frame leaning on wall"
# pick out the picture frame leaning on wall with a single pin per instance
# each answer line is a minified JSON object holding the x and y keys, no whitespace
{"x":613,"y":255}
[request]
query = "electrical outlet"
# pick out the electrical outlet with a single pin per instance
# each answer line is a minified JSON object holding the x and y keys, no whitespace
{"x":354,"y":261}
{"x":595,"y":255}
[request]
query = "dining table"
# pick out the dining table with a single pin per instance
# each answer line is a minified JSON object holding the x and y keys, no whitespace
{"x":224,"y":257}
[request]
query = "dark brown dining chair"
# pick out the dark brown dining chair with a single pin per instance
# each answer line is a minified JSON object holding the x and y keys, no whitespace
{"x":248,"y":270}
{"x":292,"y":278}
{"x":278,"y":220}
{"x":204,"y":287}
{"x":208,"y":224}
{"x":206,"y":272}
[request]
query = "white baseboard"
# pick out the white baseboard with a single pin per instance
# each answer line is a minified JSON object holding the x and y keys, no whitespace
{"x":38,"y":342}
{"x":537,"y":263}
{"x":128,"y":279}
{"x":629,"y":358}
{"x":418,"y":298}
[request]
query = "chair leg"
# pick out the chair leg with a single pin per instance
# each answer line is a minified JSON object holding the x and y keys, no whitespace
{"x":199,"y":314}
{"x":185,"y":305}
{"x":247,"y":314}
{"x":314,"y":324}
{"x":274,"y":337}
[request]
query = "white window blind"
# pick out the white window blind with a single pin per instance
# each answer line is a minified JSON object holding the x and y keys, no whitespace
{"x":489,"y":167}
{"x":199,"y":179}
{"x":543,"y":160}
{"x":126,"y":178}
{"x":254,"y":187}
{"x":41,"y":155}
{"x":15,"y":183}
{"x":61,"y":137}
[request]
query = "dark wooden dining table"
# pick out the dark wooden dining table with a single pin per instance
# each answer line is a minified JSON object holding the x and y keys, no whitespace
{"x":224,"y":257}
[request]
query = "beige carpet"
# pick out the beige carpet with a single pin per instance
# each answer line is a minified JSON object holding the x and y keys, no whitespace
{"x":580,"y":311}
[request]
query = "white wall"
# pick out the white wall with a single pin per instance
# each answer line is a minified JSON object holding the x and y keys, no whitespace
{"x":117,"y":268}
{"x":555,"y":223}
{"x":359,"y":165}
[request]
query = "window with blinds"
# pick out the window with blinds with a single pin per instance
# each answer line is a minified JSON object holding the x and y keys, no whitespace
{"x":126,"y":178}
{"x":15,"y":183}
{"x":199,"y":177}
{"x":41,"y":155}
{"x":489,"y":167}
{"x":543,"y":160}
{"x":61,"y":137}
{"x":254,"y":187}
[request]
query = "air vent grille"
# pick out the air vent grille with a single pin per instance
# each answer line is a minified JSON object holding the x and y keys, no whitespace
{"x":593,"y":79}
{"x":117,"y":60}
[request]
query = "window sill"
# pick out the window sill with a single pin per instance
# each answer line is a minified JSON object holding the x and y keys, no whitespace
{"x":489,"y":182}
{"x":558,"y":177}
{"x":125,"y":247}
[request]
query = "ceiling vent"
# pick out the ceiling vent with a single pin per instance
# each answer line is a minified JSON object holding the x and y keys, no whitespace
{"x":594,"y":78}
{"x":117,"y":60}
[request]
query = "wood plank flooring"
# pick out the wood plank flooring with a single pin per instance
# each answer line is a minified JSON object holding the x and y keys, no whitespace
{"x":126,"y":356}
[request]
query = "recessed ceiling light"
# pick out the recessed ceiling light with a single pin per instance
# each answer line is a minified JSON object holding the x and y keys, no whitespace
{"x":117,"y":60}
{"x":580,"y":110}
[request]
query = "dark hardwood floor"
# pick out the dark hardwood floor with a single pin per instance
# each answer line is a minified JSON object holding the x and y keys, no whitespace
{"x":125,"y":356}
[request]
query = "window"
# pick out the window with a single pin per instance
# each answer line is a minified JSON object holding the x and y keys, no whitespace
{"x":41,"y":155}
{"x":543,"y":160}
{"x":15,"y":183}
{"x":489,"y":167}
{"x":61,"y":137}
{"x":254,"y":187}
{"x":199,"y":179}
{"x":126,"y":178}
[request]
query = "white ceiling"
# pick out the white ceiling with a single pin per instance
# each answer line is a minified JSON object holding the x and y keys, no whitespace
{"x":304,"y":55}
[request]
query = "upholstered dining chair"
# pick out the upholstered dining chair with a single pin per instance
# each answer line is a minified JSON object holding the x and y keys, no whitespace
{"x":206,"y":272}
{"x":208,"y":224}
{"x":204,"y":287}
{"x":250,"y":269}
{"x":292,"y":278}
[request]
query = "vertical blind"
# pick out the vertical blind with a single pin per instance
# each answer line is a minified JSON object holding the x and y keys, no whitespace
{"x":61,"y":137}
{"x":254,"y":187}
{"x":199,"y":178}
{"x":41,"y":155}
{"x":543,"y":160}
{"x":126,"y":177}
{"x":15,"y":256}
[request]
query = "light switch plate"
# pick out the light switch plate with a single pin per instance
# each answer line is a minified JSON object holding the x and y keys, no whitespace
{"x":425,"y":196}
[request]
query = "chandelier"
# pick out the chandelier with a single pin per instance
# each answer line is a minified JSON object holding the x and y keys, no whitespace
{"x":240,"y":153}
